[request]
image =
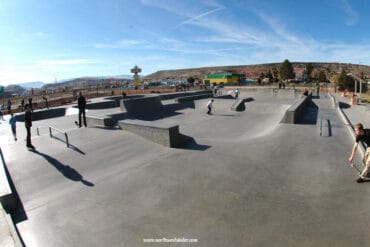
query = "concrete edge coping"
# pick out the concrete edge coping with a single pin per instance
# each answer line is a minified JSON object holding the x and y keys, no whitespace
{"x":100,"y":121}
{"x":7,"y":202}
{"x":148,"y":124}
{"x":12,"y":234}
{"x":5,"y":190}
{"x":194,"y":97}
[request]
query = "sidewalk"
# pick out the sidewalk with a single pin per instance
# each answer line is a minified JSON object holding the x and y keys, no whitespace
{"x":355,"y":113}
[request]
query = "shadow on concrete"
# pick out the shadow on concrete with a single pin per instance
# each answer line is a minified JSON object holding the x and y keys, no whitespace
{"x":344,"y":105}
{"x":18,"y":214}
{"x":309,"y":115}
{"x":225,"y":96}
{"x":66,"y":170}
{"x":191,"y":144}
{"x":156,"y":112}
{"x":76,"y":149}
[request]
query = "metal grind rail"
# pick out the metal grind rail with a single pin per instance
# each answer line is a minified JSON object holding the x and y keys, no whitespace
{"x":51,"y":129}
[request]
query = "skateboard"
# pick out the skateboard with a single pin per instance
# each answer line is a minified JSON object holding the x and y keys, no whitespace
{"x":31,"y":149}
{"x":353,"y":165}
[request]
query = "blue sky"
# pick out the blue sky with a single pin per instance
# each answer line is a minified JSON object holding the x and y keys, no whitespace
{"x":46,"y":39}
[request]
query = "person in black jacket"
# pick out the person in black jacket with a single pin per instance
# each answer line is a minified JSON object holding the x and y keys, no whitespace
{"x":28,"y":125}
{"x":81,"y":109}
{"x":364,"y":136}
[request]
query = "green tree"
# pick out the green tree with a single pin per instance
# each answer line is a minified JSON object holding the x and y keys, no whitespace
{"x":321,"y":77}
{"x":275,"y":74}
{"x":345,"y":81}
{"x":286,"y":71}
{"x":191,"y":80}
{"x":269,"y":76}
{"x":309,"y":70}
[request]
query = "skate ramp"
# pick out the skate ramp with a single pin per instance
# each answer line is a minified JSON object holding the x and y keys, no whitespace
{"x":257,"y":120}
{"x":150,"y":108}
{"x":145,"y":108}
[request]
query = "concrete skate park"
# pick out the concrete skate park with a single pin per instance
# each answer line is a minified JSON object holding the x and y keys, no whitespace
{"x":269,"y":169}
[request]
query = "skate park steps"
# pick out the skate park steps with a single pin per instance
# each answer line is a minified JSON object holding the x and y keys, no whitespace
{"x":166,"y":135}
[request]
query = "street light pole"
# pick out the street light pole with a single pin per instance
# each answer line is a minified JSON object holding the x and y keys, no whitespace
{"x":359,"y":77}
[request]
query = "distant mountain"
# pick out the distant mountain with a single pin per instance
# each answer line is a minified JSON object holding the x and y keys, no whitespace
{"x":35,"y":84}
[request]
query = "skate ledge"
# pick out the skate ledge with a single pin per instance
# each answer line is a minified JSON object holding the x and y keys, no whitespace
{"x":296,"y":110}
{"x":99,"y":121}
{"x":163,"y":134}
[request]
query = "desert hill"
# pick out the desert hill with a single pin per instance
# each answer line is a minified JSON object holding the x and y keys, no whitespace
{"x":254,"y":71}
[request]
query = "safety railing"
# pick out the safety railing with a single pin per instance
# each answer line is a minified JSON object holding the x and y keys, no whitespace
{"x":51,"y":132}
{"x":60,"y":131}
{"x":38,"y":129}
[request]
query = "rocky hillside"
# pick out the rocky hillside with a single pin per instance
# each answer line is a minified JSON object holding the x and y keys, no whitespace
{"x":253,"y":71}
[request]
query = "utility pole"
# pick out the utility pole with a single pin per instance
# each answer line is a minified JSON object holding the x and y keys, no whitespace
{"x":359,"y":76}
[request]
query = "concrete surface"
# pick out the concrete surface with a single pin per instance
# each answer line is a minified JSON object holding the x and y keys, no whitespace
{"x":245,"y":180}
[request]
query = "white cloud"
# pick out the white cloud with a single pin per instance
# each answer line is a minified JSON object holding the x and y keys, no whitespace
{"x":199,"y":16}
{"x":352,"y":16}
{"x":67,"y":62}
{"x":121,"y":44}
{"x":12,"y":74}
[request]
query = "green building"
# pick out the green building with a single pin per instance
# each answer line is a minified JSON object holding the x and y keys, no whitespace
{"x":224,"y":79}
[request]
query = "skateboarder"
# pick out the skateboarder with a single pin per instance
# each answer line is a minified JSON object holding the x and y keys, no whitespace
{"x":362,"y":135}
{"x":210,"y":106}
{"x":13,"y":125}
{"x":236,"y":92}
{"x":81,"y":109}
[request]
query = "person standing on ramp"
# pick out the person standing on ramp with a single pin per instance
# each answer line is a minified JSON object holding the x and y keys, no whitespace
{"x":362,"y":135}
{"x":28,"y":125}
{"x":81,"y":109}
{"x":210,"y":106}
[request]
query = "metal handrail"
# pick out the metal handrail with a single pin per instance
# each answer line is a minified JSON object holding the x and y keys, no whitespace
{"x":38,"y":129}
{"x":60,"y":131}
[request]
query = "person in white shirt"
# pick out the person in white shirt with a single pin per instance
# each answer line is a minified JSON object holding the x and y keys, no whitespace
{"x":236,"y":92}
{"x":1,"y":112}
{"x":210,"y":106}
